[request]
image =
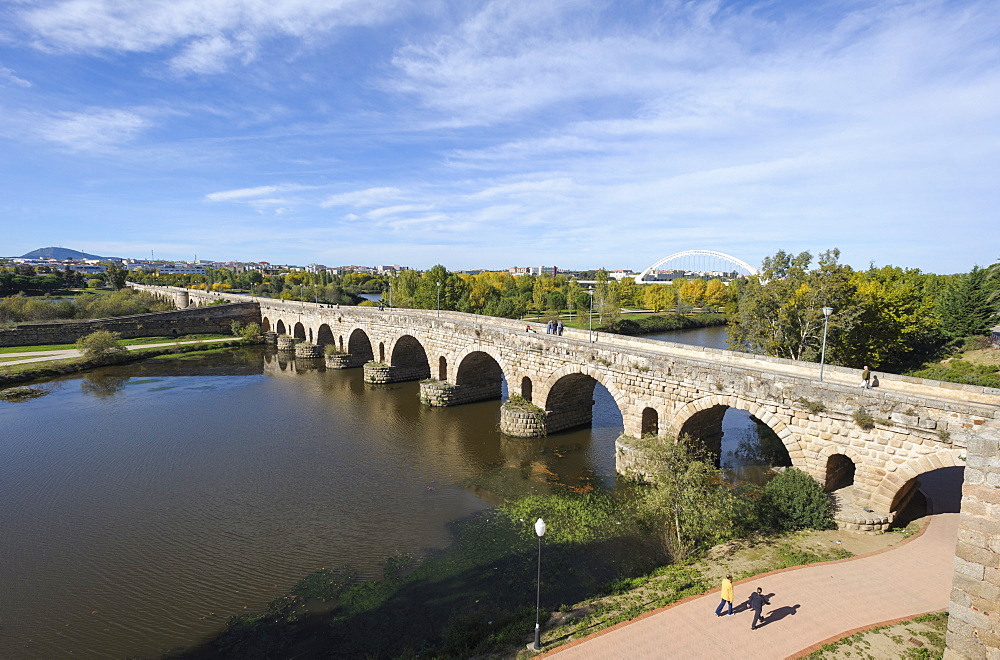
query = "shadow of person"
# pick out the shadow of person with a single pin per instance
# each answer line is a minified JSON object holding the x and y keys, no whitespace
{"x":780,"y":613}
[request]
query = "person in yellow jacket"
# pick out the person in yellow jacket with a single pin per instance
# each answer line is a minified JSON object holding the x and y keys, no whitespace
{"x":727,"y":596}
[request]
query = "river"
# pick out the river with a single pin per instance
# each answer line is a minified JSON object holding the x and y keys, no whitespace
{"x":145,"y":504}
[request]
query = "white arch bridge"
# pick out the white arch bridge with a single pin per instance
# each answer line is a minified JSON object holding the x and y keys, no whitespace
{"x":702,"y":260}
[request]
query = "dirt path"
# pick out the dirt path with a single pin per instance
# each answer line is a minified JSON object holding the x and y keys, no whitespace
{"x":809,"y":605}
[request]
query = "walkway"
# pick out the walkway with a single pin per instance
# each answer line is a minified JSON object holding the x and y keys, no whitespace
{"x":809,"y":605}
{"x":62,"y":354}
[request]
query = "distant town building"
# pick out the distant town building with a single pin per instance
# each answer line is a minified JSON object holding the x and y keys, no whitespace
{"x":533,"y":270}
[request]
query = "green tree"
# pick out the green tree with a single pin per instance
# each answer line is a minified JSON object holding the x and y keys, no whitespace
{"x":689,"y":501}
{"x":115,"y":274}
{"x":891,"y":324}
{"x":607,"y":304}
{"x":100,"y":344}
{"x":965,"y":308}
{"x":780,"y":313}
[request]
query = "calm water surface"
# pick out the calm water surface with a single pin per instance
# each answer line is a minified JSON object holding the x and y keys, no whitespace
{"x":147,"y":503}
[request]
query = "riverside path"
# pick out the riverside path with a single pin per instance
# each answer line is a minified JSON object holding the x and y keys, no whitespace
{"x":809,"y":605}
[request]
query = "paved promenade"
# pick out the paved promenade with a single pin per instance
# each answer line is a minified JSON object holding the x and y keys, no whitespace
{"x":809,"y":605}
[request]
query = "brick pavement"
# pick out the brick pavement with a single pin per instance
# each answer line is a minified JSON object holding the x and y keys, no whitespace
{"x":809,"y":606}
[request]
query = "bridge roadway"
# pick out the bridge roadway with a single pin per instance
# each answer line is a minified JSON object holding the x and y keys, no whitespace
{"x":917,"y":425}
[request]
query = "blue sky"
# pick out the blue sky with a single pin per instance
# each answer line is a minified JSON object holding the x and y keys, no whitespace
{"x":491,"y":134}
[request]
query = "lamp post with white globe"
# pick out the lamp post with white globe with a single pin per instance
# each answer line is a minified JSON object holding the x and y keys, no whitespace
{"x":822,"y":355}
{"x":540,"y":531}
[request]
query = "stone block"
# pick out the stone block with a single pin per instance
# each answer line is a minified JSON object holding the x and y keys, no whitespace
{"x":969,"y":569}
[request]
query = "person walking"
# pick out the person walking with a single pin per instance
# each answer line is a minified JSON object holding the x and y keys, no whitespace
{"x":757,"y":602}
{"x":727,"y":596}
{"x":866,"y":378}
{"x":559,"y":328}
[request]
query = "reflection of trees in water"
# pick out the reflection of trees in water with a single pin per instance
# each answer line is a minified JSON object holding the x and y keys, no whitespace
{"x":103,"y":385}
{"x":761,"y":446}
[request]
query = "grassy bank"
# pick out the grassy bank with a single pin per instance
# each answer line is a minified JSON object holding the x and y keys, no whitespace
{"x":17,"y":374}
{"x":919,"y":638}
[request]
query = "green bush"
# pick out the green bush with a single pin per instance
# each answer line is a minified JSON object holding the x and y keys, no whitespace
{"x":864,"y":419}
{"x":248,"y":334}
{"x":100,"y":344}
{"x":794,"y":500}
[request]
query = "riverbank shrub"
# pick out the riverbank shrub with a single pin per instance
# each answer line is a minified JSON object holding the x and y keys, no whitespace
{"x":248,"y":334}
{"x":34,"y":309}
{"x":793,"y":500}
{"x":100,"y":345}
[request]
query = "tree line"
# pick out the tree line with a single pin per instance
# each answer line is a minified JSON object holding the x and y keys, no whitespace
{"x":891,"y":318}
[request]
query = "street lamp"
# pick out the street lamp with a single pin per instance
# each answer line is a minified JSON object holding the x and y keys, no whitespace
{"x":439,"y":299}
{"x":540,"y":531}
{"x":590,"y":331}
{"x":822,"y":355}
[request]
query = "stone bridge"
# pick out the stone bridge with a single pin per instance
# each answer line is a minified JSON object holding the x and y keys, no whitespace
{"x":870,"y":445}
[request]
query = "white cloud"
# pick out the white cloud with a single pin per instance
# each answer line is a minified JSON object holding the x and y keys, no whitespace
{"x":240,"y":193}
{"x":400,"y":209}
{"x":208,"y":55}
{"x":208,"y":34}
{"x":366,"y":197}
{"x":8,"y":75}
{"x":96,"y":129}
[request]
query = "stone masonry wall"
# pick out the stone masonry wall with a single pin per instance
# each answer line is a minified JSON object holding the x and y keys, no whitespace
{"x":974,"y":614}
{"x":203,"y":320}
{"x":440,"y":393}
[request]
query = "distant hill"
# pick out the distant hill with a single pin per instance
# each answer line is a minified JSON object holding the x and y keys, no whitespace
{"x":62,"y":253}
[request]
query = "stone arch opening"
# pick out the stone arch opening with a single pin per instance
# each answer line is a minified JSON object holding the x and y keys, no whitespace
{"x":898,"y":487}
{"x":279,"y":327}
{"x":360,"y":347}
{"x":311,"y":336}
{"x":442,"y":368}
{"x":340,"y":344}
{"x":480,"y":376}
{"x":381,"y":351}
{"x":570,"y":402}
{"x":840,"y":471}
{"x":526,"y":388}
{"x":299,"y":331}
{"x":409,"y":359}
{"x":325,"y":335}
{"x":265,"y":324}
{"x":737,"y":440}
{"x":650,"y":422}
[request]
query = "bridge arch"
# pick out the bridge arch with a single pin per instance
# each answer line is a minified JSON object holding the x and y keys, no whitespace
{"x":409,"y":358}
{"x":482,"y":373}
{"x":721,"y":256}
{"x":359,"y":345}
{"x":568,"y":397}
{"x":299,"y":331}
{"x":279,"y":327}
{"x":897,"y":486}
{"x":709,"y":410}
{"x":265,"y":324}
{"x":324,"y":335}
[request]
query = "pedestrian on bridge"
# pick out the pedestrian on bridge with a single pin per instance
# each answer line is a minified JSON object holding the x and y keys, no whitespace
{"x":866,"y":378}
